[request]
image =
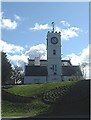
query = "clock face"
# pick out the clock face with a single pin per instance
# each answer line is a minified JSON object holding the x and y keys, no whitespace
{"x":54,"y":40}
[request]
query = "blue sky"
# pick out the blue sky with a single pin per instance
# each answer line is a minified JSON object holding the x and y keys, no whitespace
{"x":25,"y":26}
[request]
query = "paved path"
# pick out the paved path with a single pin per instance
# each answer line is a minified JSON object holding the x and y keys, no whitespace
{"x":51,"y":117}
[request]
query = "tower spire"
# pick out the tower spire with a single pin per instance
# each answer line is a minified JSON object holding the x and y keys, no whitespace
{"x":53,"y":26}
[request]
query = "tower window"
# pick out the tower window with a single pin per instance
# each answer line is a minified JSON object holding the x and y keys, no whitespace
{"x":55,"y":67}
{"x":54,"y":52}
{"x":55,"y":73}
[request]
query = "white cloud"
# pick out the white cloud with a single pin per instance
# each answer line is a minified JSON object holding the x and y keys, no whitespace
{"x":75,"y":28}
{"x":18,"y":60}
{"x":17,"y":17}
{"x":66,"y":34}
{"x":22,"y":59}
{"x":18,"y":55}
{"x":36,"y":51}
{"x":85,"y":54}
{"x":64,"y":23}
{"x":58,"y":29}
{"x":82,"y":58}
{"x":14,"y":53}
{"x":7,"y":23}
{"x":10,"y":48}
{"x":40,"y":27}
{"x":69,"y":33}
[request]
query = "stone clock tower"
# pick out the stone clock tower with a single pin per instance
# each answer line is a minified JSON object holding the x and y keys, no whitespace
{"x":53,"y":56}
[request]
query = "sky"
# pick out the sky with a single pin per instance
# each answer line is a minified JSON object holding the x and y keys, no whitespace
{"x":24,"y":27}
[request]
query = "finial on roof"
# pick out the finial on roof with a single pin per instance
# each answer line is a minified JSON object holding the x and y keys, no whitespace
{"x":53,"y":26}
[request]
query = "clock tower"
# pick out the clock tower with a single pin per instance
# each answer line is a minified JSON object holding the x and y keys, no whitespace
{"x":53,"y":56}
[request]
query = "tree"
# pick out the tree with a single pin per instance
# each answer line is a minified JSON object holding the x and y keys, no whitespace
{"x":83,"y":68}
{"x":6,"y":69}
{"x":17,"y":75}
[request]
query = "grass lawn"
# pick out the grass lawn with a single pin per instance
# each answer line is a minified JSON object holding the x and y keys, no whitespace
{"x":36,"y":107}
{"x":31,"y":89}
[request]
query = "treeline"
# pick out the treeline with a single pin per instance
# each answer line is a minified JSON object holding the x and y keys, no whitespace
{"x":10,"y":74}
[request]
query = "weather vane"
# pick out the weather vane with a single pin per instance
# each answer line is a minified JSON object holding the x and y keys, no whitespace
{"x":53,"y":26}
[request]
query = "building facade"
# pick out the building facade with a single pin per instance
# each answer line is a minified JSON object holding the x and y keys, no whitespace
{"x":53,"y":69}
{"x":54,"y":56}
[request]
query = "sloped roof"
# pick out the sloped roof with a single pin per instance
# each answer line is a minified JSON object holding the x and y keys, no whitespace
{"x":35,"y":70}
{"x":71,"y":70}
{"x":42,"y":70}
{"x":68,"y":61}
{"x":77,"y":70}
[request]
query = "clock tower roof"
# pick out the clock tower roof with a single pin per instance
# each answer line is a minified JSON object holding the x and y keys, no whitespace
{"x":52,"y":34}
{"x":55,"y":32}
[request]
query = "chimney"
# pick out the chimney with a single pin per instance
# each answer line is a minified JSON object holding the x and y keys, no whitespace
{"x":37,"y":61}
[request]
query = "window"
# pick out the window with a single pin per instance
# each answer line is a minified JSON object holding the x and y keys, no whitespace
{"x":54,"y":52}
{"x":55,"y":73}
{"x":54,"y":68}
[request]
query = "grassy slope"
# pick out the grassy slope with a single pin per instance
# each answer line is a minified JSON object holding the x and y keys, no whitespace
{"x":78,"y":101}
{"x":28,"y":90}
{"x":34,"y":108}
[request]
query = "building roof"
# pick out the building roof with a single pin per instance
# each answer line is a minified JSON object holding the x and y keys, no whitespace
{"x":71,"y":70}
{"x":66,"y":61}
{"x":46,"y":60}
{"x":33,"y":60}
{"x":35,"y":70}
{"x":42,"y":70}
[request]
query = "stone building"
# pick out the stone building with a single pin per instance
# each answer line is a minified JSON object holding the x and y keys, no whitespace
{"x":53,"y":69}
